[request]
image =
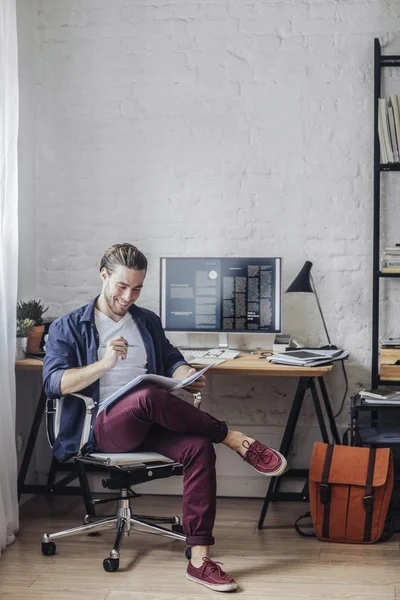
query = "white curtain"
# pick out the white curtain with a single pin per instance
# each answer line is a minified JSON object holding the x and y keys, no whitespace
{"x":8,"y":267}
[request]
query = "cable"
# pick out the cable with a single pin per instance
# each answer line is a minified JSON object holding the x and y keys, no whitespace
{"x":345,"y":391}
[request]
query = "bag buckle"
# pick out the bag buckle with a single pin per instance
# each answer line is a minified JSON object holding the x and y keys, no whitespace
{"x":369,"y":503}
{"x":324,"y":493}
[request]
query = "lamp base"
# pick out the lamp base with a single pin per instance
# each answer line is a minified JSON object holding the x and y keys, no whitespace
{"x":329,"y":347}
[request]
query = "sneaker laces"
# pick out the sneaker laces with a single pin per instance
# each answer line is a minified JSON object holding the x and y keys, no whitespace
{"x":258,"y":452}
{"x":213,"y":565}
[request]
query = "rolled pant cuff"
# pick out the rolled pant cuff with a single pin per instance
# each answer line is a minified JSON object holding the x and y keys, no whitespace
{"x":200,"y":540}
{"x":221,"y":435}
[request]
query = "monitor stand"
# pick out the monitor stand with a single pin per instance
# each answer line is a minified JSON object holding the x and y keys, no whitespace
{"x":223,"y":341}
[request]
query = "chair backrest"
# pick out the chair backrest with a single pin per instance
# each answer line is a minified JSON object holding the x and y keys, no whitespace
{"x":57,"y":415}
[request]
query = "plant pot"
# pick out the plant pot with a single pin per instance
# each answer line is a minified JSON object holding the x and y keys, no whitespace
{"x":34,"y":338}
{"x":20,"y":348}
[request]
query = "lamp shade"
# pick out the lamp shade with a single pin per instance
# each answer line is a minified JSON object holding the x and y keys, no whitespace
{"x":302,"y":283}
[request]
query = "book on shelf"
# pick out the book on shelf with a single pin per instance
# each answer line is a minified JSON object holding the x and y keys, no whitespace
{"x":391,"y":342}
{"x":384,"y":157}
{"x":390,"y":269}
{"x":383,"y":397}
{"x":389,"y":129}
{"x":379,"y":394}
{"x":392,"y":249}
{"x":391,"y":264}
{"x":392,"y":132}
{"x":383,"y":132}
{"x":396,"y":113}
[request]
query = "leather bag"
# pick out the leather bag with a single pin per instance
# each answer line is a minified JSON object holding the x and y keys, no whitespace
{"x":350,"y":490}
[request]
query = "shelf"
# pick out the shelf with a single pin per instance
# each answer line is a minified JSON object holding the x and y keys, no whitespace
{"x":372,"y":435}
{"x":389,"y":382}
{"x":390,"y":61}
{"x":390,"y":166}
{"x":358,"y":405}
{"x":380,"y":274}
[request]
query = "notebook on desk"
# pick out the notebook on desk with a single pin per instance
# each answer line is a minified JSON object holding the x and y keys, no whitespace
{"x":210,"y":355}
{"x":205,"y":361}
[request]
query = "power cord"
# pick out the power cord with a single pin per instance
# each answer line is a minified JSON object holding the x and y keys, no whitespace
{"x":345,"y":391}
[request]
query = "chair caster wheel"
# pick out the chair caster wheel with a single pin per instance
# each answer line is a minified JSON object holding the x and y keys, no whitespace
{"x":48,"y":548}
{"x":111,"y":564}
{"x":188,"y":553}
{"x":177,"y":528}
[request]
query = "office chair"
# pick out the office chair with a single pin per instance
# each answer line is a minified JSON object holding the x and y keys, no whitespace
{"x":125,"y":470}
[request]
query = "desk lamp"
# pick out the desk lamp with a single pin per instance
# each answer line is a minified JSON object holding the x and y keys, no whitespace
{"x":304,"y":283}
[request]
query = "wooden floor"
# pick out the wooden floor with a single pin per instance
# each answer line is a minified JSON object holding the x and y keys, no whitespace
{"x":271,"y":564}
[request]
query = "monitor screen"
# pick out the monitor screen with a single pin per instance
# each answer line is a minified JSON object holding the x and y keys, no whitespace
{"x":237,"y":295}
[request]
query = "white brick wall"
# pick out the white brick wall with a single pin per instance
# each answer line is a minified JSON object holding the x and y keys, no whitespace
{"x":214,"y":128}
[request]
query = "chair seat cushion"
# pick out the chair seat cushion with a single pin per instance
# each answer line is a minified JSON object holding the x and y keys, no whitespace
{"x":128,"y":458}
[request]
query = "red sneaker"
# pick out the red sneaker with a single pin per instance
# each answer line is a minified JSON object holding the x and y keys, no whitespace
{"x":211,"y":575}
{"x":263,"y":459}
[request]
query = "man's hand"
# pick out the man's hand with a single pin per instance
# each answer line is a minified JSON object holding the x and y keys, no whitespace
{"x":183,"y":372}
{"x":116,"y":348}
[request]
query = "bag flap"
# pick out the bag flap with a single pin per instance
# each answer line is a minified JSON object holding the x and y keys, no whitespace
{"x":349,"y":465}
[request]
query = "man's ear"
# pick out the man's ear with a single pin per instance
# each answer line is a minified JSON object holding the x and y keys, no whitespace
{"x":103,"y":274}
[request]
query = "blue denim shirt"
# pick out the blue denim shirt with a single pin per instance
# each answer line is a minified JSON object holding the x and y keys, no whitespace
{"x":73,"y":342}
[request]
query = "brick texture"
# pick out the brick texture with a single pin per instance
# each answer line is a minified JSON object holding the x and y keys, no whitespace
{"x":214,"y":128}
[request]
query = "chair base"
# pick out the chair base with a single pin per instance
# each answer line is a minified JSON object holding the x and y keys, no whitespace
{"x":124,"y":522}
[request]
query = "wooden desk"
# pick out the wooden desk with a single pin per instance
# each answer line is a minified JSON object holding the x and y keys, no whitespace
{"x":245,"y":365}
{"x":29,"y":364}
{"x":254,"y":366}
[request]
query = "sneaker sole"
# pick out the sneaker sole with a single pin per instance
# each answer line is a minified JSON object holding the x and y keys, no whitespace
{"x":279,"y":471}
{"x":228,"y":587}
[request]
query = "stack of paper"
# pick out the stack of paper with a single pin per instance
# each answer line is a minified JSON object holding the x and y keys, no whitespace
{"x":390,"y":342}
{"x":308,"y":358}
{"x":380,"y":397}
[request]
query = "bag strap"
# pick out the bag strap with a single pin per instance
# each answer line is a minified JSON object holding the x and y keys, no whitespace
{"x":325,"y":490}
{"x":388,"y":530}
{"x":369,"y":495}
{"x":297,"y":528}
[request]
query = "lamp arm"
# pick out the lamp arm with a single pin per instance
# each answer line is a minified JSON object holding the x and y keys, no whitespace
{"x":320,"y":310}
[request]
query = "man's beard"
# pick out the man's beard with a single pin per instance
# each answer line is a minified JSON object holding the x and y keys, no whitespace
{"x":114,"y":306}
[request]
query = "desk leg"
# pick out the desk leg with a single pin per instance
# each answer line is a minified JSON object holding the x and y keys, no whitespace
{"x":302,"y":387}
{"x":40,"y":409}
{"x":304,"y":384}
{"x":318,"y":412}
{"x":329,"y":411}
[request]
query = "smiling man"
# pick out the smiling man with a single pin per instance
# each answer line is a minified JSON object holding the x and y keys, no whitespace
{"x":97,"y":349}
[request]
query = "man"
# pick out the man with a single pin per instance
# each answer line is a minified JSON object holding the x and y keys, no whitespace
{"x":97,"y":349}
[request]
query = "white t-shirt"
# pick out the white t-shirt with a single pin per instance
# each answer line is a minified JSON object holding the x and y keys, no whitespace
{"x":136,"y":360}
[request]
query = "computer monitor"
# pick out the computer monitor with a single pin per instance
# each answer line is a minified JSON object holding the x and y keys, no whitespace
{"x":221,"y":295}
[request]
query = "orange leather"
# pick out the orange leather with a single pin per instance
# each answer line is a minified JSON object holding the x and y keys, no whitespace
{"x":347,"y":479}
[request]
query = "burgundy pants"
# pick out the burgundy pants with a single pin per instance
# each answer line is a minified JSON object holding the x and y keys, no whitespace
{"x":150,"y":419}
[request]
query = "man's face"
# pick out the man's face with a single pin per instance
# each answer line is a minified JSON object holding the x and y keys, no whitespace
{"x":122,"y":288}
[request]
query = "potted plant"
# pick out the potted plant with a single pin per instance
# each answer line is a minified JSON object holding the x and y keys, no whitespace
{"x":33,"y":310}
{"x":23,"y":327}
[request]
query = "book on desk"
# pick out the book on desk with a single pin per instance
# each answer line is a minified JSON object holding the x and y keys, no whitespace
{"x":308,"y":358}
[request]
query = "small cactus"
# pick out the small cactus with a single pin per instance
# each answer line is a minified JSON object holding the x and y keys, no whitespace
{"x":23,"y":326}
{"x":33,"y":309}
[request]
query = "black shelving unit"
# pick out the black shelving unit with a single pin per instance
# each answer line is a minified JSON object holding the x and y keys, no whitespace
{"x":380,"y":62}
{"x":376,"y":424}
